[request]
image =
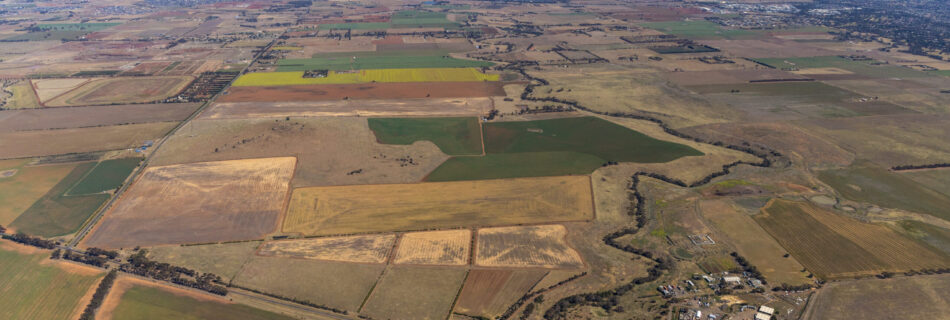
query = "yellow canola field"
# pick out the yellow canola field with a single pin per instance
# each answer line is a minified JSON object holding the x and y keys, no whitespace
{"x":262,"y":79}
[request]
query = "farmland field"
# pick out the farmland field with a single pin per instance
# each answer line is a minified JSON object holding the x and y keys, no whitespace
{"x":423,"y":107}
{"x":57,"y":214}
{"x":390,"y":90}
{"x":753,"y":243}
{"x":35,"y":288}
{"x":34,"y":143}
{"x":140,"y":300}
{"x":858,"y":67}
{"x":920,"y":297}
{"x":372,"y":248}
{"x":366,"y":76}
{"x":531,"y":246}
{"x":399,"y":20}
{"x":699,"y":30}
{"x":422,"y":206}
{"x":197,"y":203}
{"x":23,"y":97}
{"x":833,"y":246}
{"x":61,"y":31}
{"x":937,"y":180}
{"x":81,"y":117}
{"x":122,"y":90}
{"x":449,"y":247}
{"x":866,"y":182}
{"x":790,"y":100}
{"x":378,"y":60}
{"x":557,"y":147}
{"x":415,"y":293}
{"x":454,"y":136}
{"x":107,"y":175}
{"x":26,"y":185}
{"x":340,"y":285}
{"x":488,"y":293}
{"x":224,"y":259}
{"x":48,"y":88}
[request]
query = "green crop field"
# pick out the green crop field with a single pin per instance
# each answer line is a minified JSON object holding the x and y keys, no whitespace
{"x":57,"y":214}
{"x":515,"y":165}
{"x":699,"y":30}
{"x":858,"y":67}
{"x":378,"y":60}
{"x":107,"y":175}
{"x":33,"y":289}
{"x":557,"y":147}
{"x":140,"y":302}
{"x":867,"y":183}
{"x":454,"y":136}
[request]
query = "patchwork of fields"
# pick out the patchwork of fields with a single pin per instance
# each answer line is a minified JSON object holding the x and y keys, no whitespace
{"x":366,"y":76}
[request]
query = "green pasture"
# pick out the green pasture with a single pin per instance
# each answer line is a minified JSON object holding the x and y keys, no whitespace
{"x":556,"y":147}
{"x":454,"y":136}
{"x":865,"y":182}
{"x":57,"y":214}
{"x":107,"y":175}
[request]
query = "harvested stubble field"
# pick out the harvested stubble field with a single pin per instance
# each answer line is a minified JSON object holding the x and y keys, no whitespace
{"x":406,"y":292}
{"x":423,"y":107}
{"x":422,"y":206}
{"x":392,"y":90}
{"x":454,"y":136}
{"x":35,"y":143}
{"x":379,"y":60}
{"x":334,"y":284}
{"x":557,"y":147}
{"x":489,"y":293}
{"x":543,"y":246}
{"x":222,"y":259}
{"x":866,"y":182}
{"x":888,"y":140}
{"x":372,"y":248}
{"x":122,"y":90}
{"x":138,"y":299}
{"x":919,"y":297}
{"x":26,"y":185}
{"x":95,"y":116}
{"x":49,"y":88}
{"x":753,"y":243}
{"x":618,"y":90}
{"x":366,"y":76}
{"x":449,"y":247}
{"x":197,"y":203}
{"x":327,"y":149}
{"x":833,"y":246}
{"x":57,"y":214}
{"x":33,"y":287}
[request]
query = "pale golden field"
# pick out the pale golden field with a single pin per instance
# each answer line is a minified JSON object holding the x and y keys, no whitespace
{"x":122,"y":90}
{"x":49,"y":88}
{"x":450,"y":247}
{"x":372,"y":248}
{"x":531,"y":246}
{"x":197,"y":203}
{"x":426,"y":206}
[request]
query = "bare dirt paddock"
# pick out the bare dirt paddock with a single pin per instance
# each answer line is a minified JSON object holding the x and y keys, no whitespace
{"x":34,"y":143}
{"x":198,"y":202}
{"x":362,"y":108}
{"x":336,"y":92}
{"x":81,"y":117}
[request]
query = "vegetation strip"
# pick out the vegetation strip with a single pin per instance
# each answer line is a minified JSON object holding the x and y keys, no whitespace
{"x":90,"y":312}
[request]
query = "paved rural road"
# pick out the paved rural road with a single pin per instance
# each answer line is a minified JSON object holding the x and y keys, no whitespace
{"x":84,"y":231}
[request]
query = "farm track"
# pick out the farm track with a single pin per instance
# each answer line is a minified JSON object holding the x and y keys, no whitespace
{"x":94,"y":220}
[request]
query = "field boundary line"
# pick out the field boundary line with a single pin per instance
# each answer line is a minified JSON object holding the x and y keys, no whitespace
{"x":372,"y":290}
{"x":458,"y":294}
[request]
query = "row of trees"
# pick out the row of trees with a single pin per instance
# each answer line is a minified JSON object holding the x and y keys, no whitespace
{"x":139,"y":264}
{"x":23,"y":238}
{"x":90,"y":312}
{"x":527,"y":296}
{"x":920,"y":166}
{"x":748,"y":267}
